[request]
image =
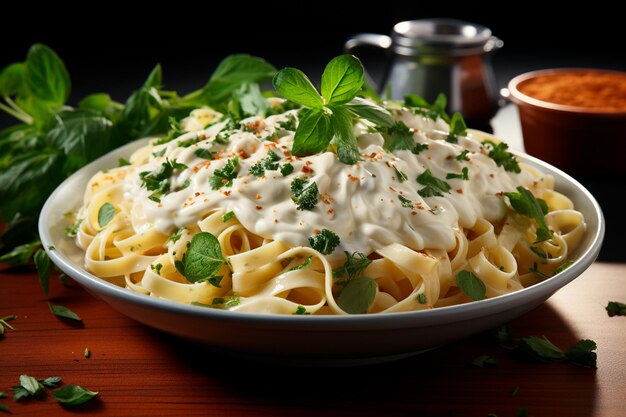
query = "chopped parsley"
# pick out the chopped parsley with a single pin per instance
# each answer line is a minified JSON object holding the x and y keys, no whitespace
{"x":563,"y":267}
{"x":188,"y":142}
{"x":286,"y":169}
{"x":307,"y":262}
{"x":502,"y":157}
{"x":432,"y":111}
{"x":301,"y":310}
{"x":462,"y":156}
{"x":73,"y":229}
{"x":204,"y":153}
{"x":421,"y":298}
{"x":159,"y":153}
{"x":405,"y":201}
{"x":175,"y":131}
{"x":122,"y":162}
{"x":156,"y":268}
{"x":401,"y":176}
{"x":159,"y":180}
{"x":179,"y":233}
{"x":434,"y":187}
{"x":324,"y":242}
{"x":305,"y":196}
{"x":269,"y":163}
{"x":400,"y":137}
{"x":527,"y":205}
{"x":457,"y":128}
{"x":615,"y":308}
{"x":289,"y":124}
{"x":227,"y":216}
{"x":542,"y":350}
{"x":220,"y":302}
{"x":464,"y":175}
{"x":224,"y":177}
{"x":539,"y":252}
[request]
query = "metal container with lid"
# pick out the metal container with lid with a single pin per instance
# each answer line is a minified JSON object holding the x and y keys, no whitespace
{"x":432,"y":56}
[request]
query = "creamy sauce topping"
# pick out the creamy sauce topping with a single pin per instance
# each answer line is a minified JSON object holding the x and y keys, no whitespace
{"x":361,"y":203}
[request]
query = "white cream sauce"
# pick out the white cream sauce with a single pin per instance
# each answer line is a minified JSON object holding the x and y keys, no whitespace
{"x":360,"y":202}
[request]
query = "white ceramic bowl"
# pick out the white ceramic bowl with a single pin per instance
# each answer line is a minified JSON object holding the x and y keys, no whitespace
{"x":311,"y":340}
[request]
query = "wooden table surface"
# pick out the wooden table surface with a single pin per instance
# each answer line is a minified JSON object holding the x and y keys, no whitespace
{"x":142,"y":372}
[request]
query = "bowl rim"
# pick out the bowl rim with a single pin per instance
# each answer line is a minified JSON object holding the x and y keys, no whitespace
{"x":522,"y":99}
{"x":410,"y":319}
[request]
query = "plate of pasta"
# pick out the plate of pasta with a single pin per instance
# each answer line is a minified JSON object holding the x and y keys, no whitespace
{"x":402,"y":232}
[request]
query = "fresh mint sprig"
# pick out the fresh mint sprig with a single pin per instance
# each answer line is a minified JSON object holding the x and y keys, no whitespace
{"x":328,"y":117}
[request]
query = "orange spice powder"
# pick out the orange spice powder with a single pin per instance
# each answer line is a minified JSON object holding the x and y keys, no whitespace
{"x":594,"y":89}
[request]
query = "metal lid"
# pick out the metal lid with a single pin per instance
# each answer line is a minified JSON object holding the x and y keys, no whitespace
{"x":442,"y":37}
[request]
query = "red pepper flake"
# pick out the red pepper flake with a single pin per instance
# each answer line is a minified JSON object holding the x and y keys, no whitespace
{"x":330,"y":211}
{"x":259,"y":208}
{"x":197,"y":194}
{"x":326,"y":198}
{"x":202,"y":136}
{"x":449,"y":157}
{"x":286,"y":152}
{"x":352,"y":177}
{"x":275,"y":220}
{"x":306,"y":170}
{"x":243,"y":154}
{"x":258,"y":196}
{"x":316,"y":231}
{"x":459,"y":190}
{"x":414,"y":213}
{"x":227,"y":193}
{"x":308,"y":163}
{"x":492,"y":175}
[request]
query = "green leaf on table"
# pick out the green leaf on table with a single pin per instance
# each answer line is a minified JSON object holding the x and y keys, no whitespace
{"x":5,"y":408}
{"x":30,"y":384}
{"x":203,"y":259}
{"x":105,"y":214}
{"x":471,"y":285}
{"x":42,"y":263}
{"x":62,"y":311}
{"x":582,"y":353}
{"x":540,"y":348}
{"x":484,"y":361}
{"x":357,"y":296}
{"x":615,"y":308}
{"x":295,"y":86}
{"x":46,"y":75}
{"x":527,"y":205}
{"x":73,"y":395}
{"x":20,"y":255}
{"x":314,"y":133}
{"x":51,"y":382}
{"x":342,"y":79}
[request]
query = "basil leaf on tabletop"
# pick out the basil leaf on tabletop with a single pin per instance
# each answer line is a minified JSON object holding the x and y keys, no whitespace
{"x":73,"y":395}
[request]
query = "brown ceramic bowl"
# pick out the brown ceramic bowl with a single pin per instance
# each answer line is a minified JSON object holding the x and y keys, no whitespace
{"x":578,"y":138}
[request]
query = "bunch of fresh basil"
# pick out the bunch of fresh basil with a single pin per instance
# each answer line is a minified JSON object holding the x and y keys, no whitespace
{"x":53,"y":140}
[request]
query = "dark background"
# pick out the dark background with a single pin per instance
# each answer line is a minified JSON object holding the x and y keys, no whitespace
{"x":108,"y":48}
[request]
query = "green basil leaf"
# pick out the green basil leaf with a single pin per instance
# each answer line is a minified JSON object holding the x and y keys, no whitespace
{"x":82,"y":139}
{"x":471,"y":285}
{"x":13,"y":80}
{"x":295,"y":86}
{"x":347,"y":147}
{"x":342,"y":79}
{"x":203,"y":258}
{"x":5,"y":408}
{"x":484,"y":361}
{"x":371,"y":112}
{"x":106,"y":214}
{"x":313,"y":134}
{"x":73,"y":395}
{"x":42,"y":263}
{"x":51,"y":382}
{"x":62,"y":311}
{"x":232,"y":72}
{"x":46,"y":75}
{"x":102,"y":104}
{"x":358,"y":295}
{"x":141,"y":103}
{"x":20,"y":255}
{"x":30,"y":384}
{"x":250,"y":99}
{"x":397,"y":137}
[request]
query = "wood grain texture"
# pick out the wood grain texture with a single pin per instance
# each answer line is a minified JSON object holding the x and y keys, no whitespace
{"x":142,"y":372}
